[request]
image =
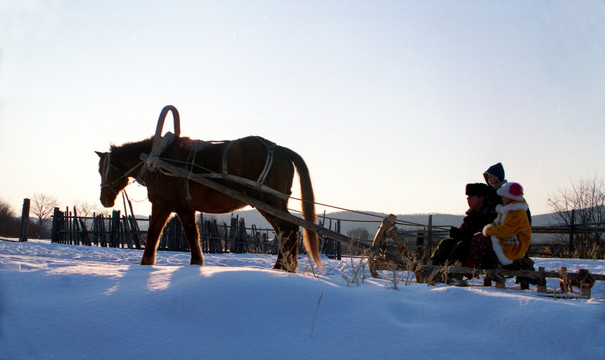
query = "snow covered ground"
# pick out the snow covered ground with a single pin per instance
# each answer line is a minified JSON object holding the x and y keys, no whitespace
{"x":77,"y":302}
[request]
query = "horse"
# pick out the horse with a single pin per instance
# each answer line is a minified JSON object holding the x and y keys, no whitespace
{"x":253,"y":158}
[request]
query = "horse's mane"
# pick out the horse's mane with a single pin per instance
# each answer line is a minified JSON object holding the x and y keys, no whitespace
{"x":137,"y":147}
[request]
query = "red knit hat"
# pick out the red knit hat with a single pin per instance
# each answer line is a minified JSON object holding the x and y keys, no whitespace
{"x":511,"y":190}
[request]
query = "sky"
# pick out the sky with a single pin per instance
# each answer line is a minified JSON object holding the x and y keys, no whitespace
{"x":394,"y":105}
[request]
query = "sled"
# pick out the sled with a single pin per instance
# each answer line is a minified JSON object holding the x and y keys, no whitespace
{"x":381,"y":259}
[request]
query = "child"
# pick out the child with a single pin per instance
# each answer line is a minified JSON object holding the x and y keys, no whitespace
{"x":510,"y":233}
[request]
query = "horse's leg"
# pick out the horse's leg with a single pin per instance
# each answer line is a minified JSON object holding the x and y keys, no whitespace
{"x":287,"y":235}
{"x":287,"y":256}
{"x":158,"y":219}
{"x":192,"y":235}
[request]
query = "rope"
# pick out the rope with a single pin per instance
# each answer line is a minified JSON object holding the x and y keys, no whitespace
{"x":135,"y":200}
{"x":188,"y":196}
{"x":398,"y":222}
{"x":104,"y":182}
{"x":378,"y":217}
{"x":161,"y":142}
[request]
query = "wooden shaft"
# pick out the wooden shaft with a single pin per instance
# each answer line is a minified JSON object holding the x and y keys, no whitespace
{"x":181,"y":172}
{"x":160,"y":125}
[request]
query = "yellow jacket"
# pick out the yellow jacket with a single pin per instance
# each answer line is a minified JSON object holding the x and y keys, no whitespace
{"x":510,"y":232}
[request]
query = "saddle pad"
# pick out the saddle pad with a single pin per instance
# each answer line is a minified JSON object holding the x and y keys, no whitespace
{"x":194,"y":145}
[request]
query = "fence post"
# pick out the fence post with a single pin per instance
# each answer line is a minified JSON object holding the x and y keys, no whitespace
{"x":24,"y":221}
{"x":429,"y":239}
{"x":338,"y":245}
{"x":67,"y":225}
{"x":420,"y":246}
{"x":571,"y":231}
{"x":114,"y":240}
{"x":54,"y":237}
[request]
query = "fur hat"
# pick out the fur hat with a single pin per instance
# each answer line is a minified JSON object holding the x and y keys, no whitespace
{"x":511,"y":190}
{"x":477,"y":189}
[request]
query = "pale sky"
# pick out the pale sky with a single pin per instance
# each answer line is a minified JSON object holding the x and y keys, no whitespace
{"x":394,"y":105}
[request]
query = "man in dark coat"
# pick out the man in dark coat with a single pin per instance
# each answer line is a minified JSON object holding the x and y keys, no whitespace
{"x":457,"y":247}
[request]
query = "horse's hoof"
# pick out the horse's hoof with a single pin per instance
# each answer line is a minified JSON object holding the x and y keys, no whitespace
{"x":284,"y":268}
{"x":147,"y":262}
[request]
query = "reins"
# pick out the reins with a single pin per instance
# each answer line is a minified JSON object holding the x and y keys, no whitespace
{"x":255,"y":185}
{"x":160,"y":143}
{"x":107,"y":166}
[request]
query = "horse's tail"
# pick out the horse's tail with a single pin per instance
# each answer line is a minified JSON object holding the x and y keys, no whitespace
{"x":310,"y":239}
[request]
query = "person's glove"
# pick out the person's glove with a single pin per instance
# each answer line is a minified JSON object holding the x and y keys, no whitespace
{"x":454,"y":232}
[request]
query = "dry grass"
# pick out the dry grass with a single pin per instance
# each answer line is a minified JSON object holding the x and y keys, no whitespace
{"x":315,"y":316}
{"x":591,"y":251}
{"x":357,"y":275}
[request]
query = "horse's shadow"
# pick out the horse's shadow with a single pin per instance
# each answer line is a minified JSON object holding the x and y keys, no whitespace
{"x":150,"y":279}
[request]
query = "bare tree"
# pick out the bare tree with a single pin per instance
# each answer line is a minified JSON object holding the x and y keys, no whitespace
{"x":359,"y":234}
{"x":43,"y":206}
{"x":86,"y":209}
{"x":583,"y":205}
{"x":9,"y":224}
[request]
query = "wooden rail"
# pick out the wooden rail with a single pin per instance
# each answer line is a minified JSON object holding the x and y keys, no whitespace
{"x":582,"y":279}
{"x":433,"y":274}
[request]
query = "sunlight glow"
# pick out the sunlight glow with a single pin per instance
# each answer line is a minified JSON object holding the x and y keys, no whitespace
{"x":160,"y":276}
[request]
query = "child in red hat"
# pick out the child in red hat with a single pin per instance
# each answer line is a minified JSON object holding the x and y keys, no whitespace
{"x":510,"y":233}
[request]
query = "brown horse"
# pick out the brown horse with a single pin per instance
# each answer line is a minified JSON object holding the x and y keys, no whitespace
{"x":252,"y":158}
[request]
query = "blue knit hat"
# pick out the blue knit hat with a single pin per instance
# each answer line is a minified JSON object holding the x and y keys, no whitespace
{"x":496,"y":170}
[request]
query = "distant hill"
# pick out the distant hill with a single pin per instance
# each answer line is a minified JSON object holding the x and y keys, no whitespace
{"x":545,"y":219}
{"x":366,"y":219}
{"x":348,"y":220}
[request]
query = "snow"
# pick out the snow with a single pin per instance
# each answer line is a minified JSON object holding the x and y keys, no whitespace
{"x":74,"y":302}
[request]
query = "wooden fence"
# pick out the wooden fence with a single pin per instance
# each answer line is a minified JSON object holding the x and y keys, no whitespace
{"x":99,"y":230}
{"x":122,"y":231}
{"x":565,"y":240}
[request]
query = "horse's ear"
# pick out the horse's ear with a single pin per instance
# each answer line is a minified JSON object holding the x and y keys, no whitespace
{"x":100,"y":154}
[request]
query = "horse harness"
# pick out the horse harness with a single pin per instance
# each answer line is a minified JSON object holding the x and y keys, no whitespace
{"x":268,"y":161}
{"x":105,"y":174}
{"x":193,"y":146}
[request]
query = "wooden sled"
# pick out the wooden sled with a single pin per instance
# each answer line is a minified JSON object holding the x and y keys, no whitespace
{"x":383,"y":259}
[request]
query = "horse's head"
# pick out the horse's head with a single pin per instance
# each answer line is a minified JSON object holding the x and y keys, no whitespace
{"x":113,"y":179}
